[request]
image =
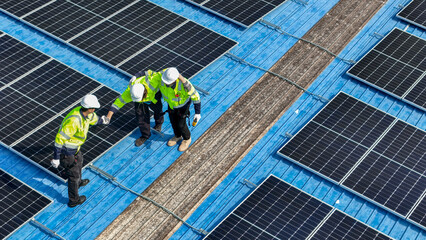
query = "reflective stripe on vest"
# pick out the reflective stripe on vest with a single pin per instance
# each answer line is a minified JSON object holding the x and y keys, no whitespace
{"x":147,"y":81}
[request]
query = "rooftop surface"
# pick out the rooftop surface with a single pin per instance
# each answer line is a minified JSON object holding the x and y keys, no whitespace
{"x":226,"y":80}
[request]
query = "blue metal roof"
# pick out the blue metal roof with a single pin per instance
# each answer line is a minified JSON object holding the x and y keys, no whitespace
{"x":263,"y":160}
{"x":226,"y":80}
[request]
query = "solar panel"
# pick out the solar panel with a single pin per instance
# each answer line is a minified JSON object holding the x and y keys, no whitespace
{"x":277,"y":210}
{"x":415,"y":13}
{"x":19,"y":203}
{"x":128,"y":35}
{"x":396,"y":65}
{"x":367,"y":151}
{"x":39,"y":92}
{"x":242,"y":12}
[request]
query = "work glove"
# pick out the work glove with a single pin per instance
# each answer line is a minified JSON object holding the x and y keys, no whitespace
{"x":197,"y":118}
{"x":105,"y":120}
{"x":55,"y":163}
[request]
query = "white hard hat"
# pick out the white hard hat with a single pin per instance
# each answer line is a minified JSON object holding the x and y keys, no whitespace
{"x":90,"y":101}
{"x":136,"y":92}
{"x":170,"y":75}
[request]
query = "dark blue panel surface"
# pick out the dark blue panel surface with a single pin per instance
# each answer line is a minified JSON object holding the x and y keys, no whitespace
{"x":418,"y":215}
{"x":277,"y":210}
{"x":21,"y":7}
{"x":388,"y":183}
{"x":337,"y":225}
{"x":19,"y":203}
{"x":242,"y":12}
{"x":323,"y":151}
{"x":396,"y":65}
{"x":12,"y":67}
{"x":406,"y":145}
{"x":415,"y":13}
{"x":131,"y":35}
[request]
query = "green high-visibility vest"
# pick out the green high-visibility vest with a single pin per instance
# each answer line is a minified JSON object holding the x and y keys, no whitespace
{"x":74,"y":128}
{"x":151,"y":81}
{"x":179,"y":96}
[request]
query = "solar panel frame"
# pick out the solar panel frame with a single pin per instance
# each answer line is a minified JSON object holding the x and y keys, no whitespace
{"x":117,"y":67}
{"x":371,"y":149}
{"x":418,"y":71}
{"x":22,"y":144}
{"x":45,"y":198}
{"x":235,"y":21}
{"x":405,"y":13}
{"x":262,"y":234}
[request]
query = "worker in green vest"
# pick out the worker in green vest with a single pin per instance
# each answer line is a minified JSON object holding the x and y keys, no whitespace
{"x":71,"y":135}
{"x":144,"y":92}
{"x":178,"y":92}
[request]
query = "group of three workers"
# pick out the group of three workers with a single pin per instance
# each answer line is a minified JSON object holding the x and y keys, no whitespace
{"x":144,"y":90}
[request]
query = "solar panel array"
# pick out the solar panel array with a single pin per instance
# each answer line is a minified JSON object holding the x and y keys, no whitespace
{"x":367,"y":151}
{"x":277,"y":210}
{"x":127,"y":34}
{"x":415,"y":13}
{"x":242,"y":12}
{"x":397,"y":65}
{"x":19,"y":203}
{"x":38,"y":93}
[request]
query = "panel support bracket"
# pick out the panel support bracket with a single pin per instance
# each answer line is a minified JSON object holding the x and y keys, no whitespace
{"x":249,"y":184}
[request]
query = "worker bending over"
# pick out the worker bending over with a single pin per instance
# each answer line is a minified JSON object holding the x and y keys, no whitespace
{"x":71,"y":135}
{"x":144,"y":91}
{"x":178,"y":92}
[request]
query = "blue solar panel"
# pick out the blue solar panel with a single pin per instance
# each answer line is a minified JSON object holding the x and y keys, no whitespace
{"x":396,"y":65}
{"x":277,"y":210}
{"x":373,"y":154}
{"x":415,"y":13}
{"x":19,"y":203}
{"x":128,"y":35}
{"x":39,"y":92}
{"x":242,"y":12}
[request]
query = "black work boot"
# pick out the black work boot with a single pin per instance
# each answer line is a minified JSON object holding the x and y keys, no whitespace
{"x":140,"y":141}
{"x":81,"y":200}
{"x":84,"y":182}
{"x":157,"y":128}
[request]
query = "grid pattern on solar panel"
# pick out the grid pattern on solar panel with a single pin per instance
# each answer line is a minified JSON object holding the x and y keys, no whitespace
{"x":39,"y":99}
{"x":19,"y":203}
{"x":418,"y":215}
{"x":397,"y":64}
{"x":385,"y":162}
{"x":335,"y":228}
{"x":130,"y":35}
{"x":242,"y":12}
{"x":415,"y":13}
{"x":277,"y":210}
{"x":13,"y":68}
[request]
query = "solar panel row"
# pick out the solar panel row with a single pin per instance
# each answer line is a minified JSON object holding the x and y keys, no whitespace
{"x":415,"y":13}
{"x":397,"y":65}
{"x":367,"y":151}
{"x":19,"y":203}
{"x":277,"y":210}
{"x":242,"y":12}
{"x":38,"y":92}
{"x":128,"y":35}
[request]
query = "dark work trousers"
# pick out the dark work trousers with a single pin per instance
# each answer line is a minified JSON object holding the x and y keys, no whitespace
{"x":178,"y":120}
{"x":73,"y":173}
{"x":143,"y":115}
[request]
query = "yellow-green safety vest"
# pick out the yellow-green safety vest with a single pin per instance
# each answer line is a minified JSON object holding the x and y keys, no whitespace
{"x":178,"y":96}
{"x":151,"y":81}
{"x":74,"y":128}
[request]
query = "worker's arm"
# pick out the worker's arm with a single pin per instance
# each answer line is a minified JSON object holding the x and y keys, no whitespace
{"x":122,"y":100}
{"x":195,"y":97}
